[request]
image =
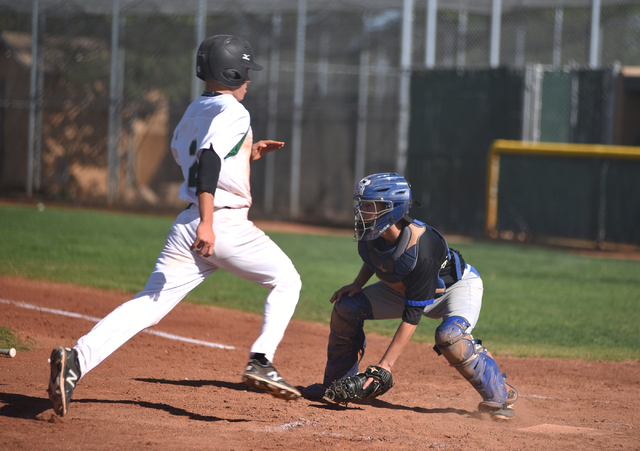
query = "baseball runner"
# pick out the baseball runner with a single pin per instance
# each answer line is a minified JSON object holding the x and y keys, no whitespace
{"x":419,"y":276}
{"x":213,"y":144}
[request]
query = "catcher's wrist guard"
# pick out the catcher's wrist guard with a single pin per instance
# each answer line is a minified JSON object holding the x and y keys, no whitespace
{"x":350,"y":389}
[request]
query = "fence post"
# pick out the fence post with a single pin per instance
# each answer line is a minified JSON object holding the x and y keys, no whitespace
{"x":595,"y":35}
{"x":463,"y":17}
{"x":274,"y":76}
{"x":496,"y":18}
{"x":405,"y":86}
{"x":363,"y":102}
{"x":298,"y":100}
{"x":32,"y":96}
{"x":557,"y":36}
{"x":113,"y":166}
{"x":200,"y":30}
{"x":430,"y":44}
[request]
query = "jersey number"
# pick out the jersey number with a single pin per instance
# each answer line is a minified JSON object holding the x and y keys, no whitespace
{"x":193,"y":170}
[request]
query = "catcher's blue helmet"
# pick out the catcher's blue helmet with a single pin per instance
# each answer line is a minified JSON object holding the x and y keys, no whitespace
{"x":381,"y":200}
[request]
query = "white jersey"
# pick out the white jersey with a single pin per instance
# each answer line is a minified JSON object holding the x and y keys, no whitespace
{"x":223,"y":123}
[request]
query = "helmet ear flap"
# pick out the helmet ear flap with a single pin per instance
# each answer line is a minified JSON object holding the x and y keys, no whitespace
{"x":232,"y":75}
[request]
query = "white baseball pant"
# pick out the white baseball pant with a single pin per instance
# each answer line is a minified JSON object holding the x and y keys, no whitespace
{"x":240,"y":248}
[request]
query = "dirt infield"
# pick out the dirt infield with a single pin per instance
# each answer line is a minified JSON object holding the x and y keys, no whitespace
{"x":162,"y":393}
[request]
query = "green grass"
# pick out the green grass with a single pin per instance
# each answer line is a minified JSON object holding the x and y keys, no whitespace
{"x":8,"y":340}
{"x":537,"y":302}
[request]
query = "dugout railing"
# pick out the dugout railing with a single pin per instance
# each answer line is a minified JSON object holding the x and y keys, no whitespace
{"x":567,"y":202}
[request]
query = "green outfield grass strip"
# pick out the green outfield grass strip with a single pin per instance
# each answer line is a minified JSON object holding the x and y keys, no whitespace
{"x":537,"y":302}
{"x":9,"y":339}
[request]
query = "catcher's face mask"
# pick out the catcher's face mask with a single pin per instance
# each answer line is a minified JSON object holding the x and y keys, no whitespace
{"x":367,"y":216}
{"x":381,"y":200}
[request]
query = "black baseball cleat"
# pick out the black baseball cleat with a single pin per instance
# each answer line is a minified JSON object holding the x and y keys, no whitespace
{"x":506,"y":410}
{"x":65,"y":373}
{"x":265,"y":377}
{"x":314,"y":392}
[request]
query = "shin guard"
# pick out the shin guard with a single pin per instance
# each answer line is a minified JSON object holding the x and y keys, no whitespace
{"x":472,"y":361}
{"x":347,"y":341}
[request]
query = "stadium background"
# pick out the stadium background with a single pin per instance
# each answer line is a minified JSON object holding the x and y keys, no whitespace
{"x":352,"y":87}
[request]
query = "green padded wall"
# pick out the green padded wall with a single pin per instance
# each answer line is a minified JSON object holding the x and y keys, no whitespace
{"x":455,"y":116}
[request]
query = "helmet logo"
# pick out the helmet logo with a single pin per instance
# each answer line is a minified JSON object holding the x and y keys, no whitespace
{"x":361,"y":186}
{"x":246,"y":56}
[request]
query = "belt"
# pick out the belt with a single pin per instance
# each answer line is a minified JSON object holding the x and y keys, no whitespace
{"x":221,"y":208}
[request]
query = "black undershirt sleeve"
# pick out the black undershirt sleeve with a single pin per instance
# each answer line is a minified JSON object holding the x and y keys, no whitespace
{"x":208,"y":171}
{"x":412,"y":315}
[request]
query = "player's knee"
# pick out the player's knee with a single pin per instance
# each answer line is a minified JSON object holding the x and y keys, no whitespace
{"x":348,"y":313}
{"x":294,"y":281}
{"x":288,"y":280}
{"x":452,"y":340}
{"x":451,"y":330}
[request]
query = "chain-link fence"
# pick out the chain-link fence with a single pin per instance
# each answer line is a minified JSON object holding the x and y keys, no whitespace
{"x":90,"y":120}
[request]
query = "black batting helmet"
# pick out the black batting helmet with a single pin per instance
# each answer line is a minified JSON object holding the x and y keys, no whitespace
{"x":225,"y":59}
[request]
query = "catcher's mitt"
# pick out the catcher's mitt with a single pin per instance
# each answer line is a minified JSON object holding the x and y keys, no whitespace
{"x":350,"y":388}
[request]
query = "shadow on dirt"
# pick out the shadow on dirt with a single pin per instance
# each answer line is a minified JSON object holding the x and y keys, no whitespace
{"x":30,"y":407}
{"x":328,"y":405}
{"x":324,"y":404}
{"x":377,"y":403}
{"x":239,"y":386}
{"x":387,"y":405}
{"x":22,"y":406}
{"x":159,"y":406}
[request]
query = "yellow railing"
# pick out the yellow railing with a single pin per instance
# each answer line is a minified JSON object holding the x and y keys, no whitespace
{"x":504,"y":147}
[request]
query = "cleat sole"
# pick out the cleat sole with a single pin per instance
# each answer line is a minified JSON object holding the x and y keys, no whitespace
{"x":279,"y":391}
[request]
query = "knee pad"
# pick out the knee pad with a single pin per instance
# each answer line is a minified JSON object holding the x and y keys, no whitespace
{"x":349,"y":312}
{"x":347,"y":341}
{"x":471,"y":360}
{"x":452,"y":340}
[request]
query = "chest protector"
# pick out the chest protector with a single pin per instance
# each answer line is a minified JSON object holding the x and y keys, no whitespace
{"x":392,"y":265}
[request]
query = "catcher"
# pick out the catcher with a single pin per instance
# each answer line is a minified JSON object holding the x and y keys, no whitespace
{"x":419,"y":275}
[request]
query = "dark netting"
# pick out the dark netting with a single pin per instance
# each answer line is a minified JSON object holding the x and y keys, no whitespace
{"x":455,"y":117}
{"x":543,"y":196}
{"x":108,"y":144}
{"x":582,"y":198}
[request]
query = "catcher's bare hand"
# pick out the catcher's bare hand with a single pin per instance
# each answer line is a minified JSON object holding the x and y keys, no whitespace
{"x":350,"y":290}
